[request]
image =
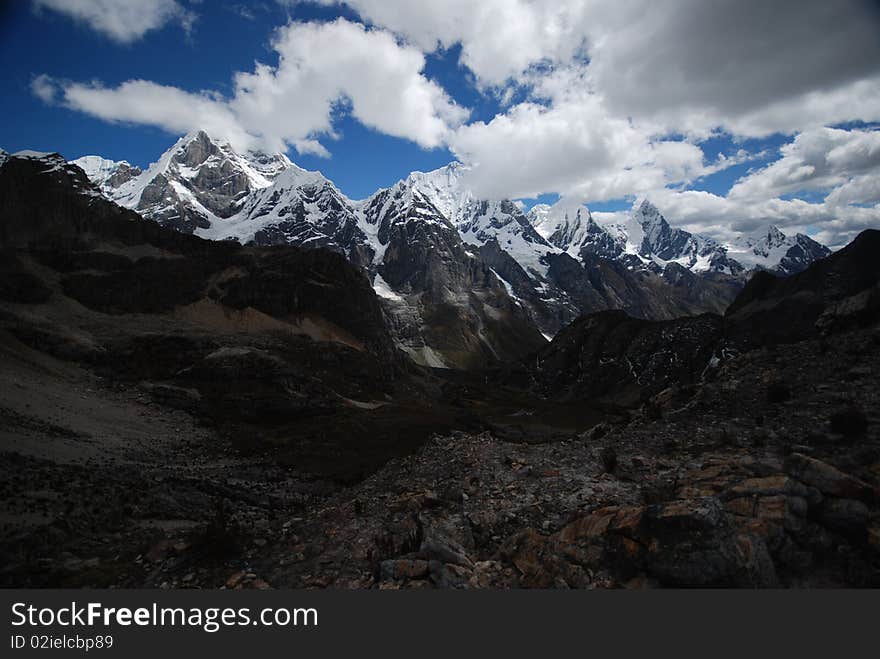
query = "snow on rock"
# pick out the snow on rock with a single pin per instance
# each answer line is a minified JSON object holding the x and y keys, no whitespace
{"x":202,"y":185}
{"x":770,"y":249}
{"x":383,"y":290}
{"x":429,"y":240}
{"x":195,"y":182}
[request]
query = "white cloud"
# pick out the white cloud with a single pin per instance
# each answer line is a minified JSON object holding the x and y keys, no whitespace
{"x":44,"y":88}
{"x":322,"y":67}
{"x":572,"y":148}
{"x":500,"y":38}
{"x":121,"y":20}
{"x":858,"y":190}
{"x":612,"y":81}
{"x":145,"y":102}
{"x":747,"y":66}
{"x":819,"y":159}
{"x":323,"y":63}
{"x":619,"y":96}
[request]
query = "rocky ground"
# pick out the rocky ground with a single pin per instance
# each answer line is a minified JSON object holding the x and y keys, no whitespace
{"x":743,"y":480}
{"x":747,"y":483}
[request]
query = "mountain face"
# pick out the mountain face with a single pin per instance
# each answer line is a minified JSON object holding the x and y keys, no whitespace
{"x":628,"y":360}
{"x":464,"y":281}
{"x":773,"y":251}
{"x":646,"y":240}
{"x":836,"y":293}
{"x":272,"y":346}
{"x":196,"y":182}
{"x":112,"y":262}
{"x":108,"y":175}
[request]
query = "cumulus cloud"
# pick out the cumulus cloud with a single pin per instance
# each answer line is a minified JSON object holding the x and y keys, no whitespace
{"x":322,"y":68}
{"x":818,"y":159}
{"x":323,"y":63}
{"x":121,"y":20}
{"x":599,"y":99}
{"x":750,"y":67}
{"x":858,"y":190}
{"x":499,"y":38}
{"x":747,"y":66}
{"x":622,"y":94}
{"x":574,"y":148}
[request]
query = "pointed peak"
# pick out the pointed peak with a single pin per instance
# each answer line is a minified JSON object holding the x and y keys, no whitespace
{"x":645,"y":207}
{"x":450,"y":172}
{"x":295,"y":176}
{"x":769,"y":235}
{"x":198,"y":135}
{"x":574,"y":212}
{"x":774,"y":231}
{"x":646,"y":213}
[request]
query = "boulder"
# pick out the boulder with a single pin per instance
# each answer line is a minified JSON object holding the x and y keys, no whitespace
{"x":768,"y":486}
{"x":789,"y":512}
{"x":403,"y":568}
{"x":827,"y":479}
{"x":702,"y":514}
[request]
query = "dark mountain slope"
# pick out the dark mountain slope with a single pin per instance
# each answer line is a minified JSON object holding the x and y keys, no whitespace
{"x":837,"y":292}
{"x":620,"y":358}
{"x":274,"y":346}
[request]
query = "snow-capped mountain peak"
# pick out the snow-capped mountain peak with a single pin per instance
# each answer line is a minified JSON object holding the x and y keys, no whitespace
{"x":299,"y":207}
{"x":195,"y":182}
{"x":770,"y":249}
{"x":434,"y":249}
{"x":294,"y":176}
{"x":647,"y":214}
{"x":108,"y":175}
{"x":563,"y":224}
{"x":764,"y":240}
{"x":201,"y":184}
{"x":443,"y":188}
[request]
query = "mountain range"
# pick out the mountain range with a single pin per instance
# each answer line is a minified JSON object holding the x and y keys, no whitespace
{"x":463,"y":281}
{"x":183,"y":412}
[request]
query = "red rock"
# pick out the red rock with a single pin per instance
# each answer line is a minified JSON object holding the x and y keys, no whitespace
{"x":235,"y":579}
{"x":403,"y":569}
{"x":826,"y":478}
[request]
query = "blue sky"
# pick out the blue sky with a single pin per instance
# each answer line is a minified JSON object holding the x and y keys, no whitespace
{"x":363,"y":159}
{"x":542,"y":99}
